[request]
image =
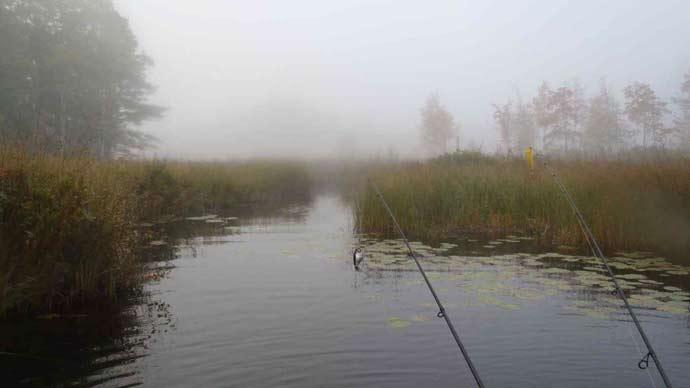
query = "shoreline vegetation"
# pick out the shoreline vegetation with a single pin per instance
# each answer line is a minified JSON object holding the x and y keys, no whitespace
{"x":74,"y":85}
{"x":68,"y":226}
{"x":632,"y":202}
{"x":71,"y":237}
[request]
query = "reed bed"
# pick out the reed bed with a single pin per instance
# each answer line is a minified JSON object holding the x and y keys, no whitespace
{"x":632,"y":204}
{"x":68,"y":239}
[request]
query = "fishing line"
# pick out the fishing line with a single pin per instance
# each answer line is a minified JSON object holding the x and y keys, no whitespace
{"x":597,"y":252}
{"x":442,"y":310}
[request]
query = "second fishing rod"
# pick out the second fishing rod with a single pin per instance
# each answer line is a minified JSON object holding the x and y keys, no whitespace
{"x":441,"y":310}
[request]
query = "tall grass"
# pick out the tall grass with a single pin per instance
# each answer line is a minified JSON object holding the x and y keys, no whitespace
{"x":639,"y":204}
{"x":67,"y":235}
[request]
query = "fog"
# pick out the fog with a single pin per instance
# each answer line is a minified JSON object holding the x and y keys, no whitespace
{"x":348,"y":78}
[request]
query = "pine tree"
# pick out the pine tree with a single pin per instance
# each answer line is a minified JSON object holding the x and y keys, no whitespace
{"x":72,"y":77}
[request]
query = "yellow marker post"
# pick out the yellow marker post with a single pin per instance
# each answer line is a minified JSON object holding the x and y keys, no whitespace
{"x":529,"y":155}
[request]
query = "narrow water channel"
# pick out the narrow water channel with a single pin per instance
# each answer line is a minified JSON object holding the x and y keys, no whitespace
{"x":274,"y":301}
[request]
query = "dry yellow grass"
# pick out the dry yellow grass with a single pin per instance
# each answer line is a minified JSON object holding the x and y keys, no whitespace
{"x":66,"y":225}
{"x":631,"y":204}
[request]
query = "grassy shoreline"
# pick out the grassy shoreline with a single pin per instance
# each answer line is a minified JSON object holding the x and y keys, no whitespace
{"x":69,"y":237}
{"x":67,"y":226}
{"x":641,"y":205}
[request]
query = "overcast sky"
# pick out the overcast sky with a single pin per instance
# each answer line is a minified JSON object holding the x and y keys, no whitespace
{"x":319,"y":78}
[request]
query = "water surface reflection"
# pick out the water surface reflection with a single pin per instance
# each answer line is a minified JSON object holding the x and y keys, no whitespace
{"x":274,"y":301}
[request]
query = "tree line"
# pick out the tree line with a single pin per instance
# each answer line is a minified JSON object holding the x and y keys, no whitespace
{"x":72,"y":78}
{"x":563,"y":119}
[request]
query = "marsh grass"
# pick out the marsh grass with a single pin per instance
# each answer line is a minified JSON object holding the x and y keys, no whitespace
{"x":631,"y":204}
{"x":67,"y":226}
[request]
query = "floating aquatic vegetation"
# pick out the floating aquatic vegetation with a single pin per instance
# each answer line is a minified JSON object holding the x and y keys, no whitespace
{"x":527,"y":294}
{"x":673,"y":307}
{"x":202,"y":218}
{"x":644,"y":301}
{"x":592,"y":310}
{"x":649,"y":281}
{"x":587,"y":281}
{"x":631,"y":276}
{"x":558,"y":284}
{"x":634,"y":255}
{"x":617,"y":265}
{"x":531,"y":262}
{"x":679,"y":297}
{"x":508,"y":280}
{"x":556,"y":270}
{"x":397,"y":323}
{"x":422,"y":318}
{"x":552,"y":255}
{"x":671,"y":288}
{"x":485,"y":299}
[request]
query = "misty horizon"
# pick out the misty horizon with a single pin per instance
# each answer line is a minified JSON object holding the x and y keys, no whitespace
{"x":312,"y":79}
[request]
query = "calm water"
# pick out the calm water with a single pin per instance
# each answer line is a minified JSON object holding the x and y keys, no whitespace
{"x":276,"y":302}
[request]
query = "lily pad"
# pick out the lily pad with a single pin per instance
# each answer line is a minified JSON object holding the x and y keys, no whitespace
{"x":397,"y":323}
{"x":421,"y":318}
{"x":202,"y":218}
{"x":671,"y":288}
{"x":673,"y":308}
{"x":555,"y":270}
{"x":631,"y":276}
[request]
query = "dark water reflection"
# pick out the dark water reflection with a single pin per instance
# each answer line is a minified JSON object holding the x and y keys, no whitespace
{"x":273,"y":301}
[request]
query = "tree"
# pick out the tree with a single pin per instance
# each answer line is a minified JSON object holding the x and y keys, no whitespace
{"x":437,"y":125}
{"x":604,"y":131}
{"x":503,"y":117}
{"x":682,"y":121}
{"x":523,"y":125}
{"x":72,"y":78}
{"x":644,"y":109}
{"x":542,"y":119}
{"x":560,"y":114}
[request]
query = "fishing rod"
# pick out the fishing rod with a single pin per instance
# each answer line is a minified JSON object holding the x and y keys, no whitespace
{"x":597,"y":252}
{"x":442,"y":310}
